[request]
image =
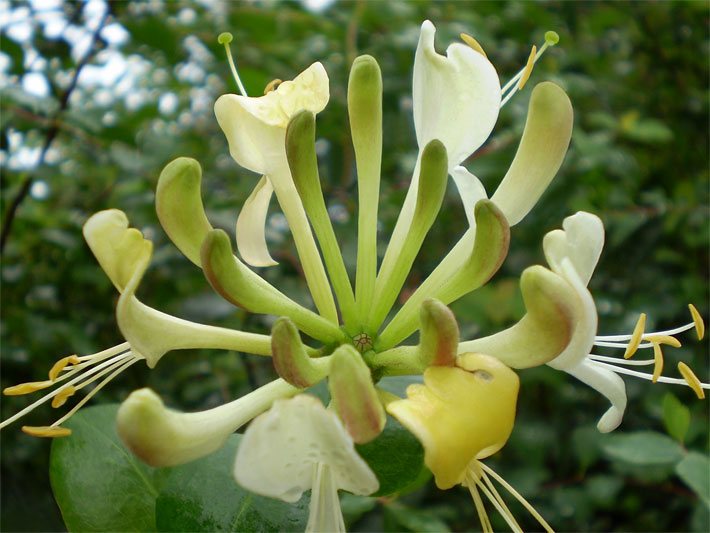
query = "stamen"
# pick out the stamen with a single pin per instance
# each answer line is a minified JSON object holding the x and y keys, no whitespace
{"x":59,"y":365}
{"x":46,"y":431}
{"x":272,"y":85}
{"x":617,"y":361}
{"x":657,"y":362}
{"x":697,"y":321}
{"x":473,"y":43}
{"x":471,"y":483}
{"x":26,"y":388}
{"x":61,"y":398}
{"x":527,"y":71}
{"x":517,"y":496}
{"x":692,"y":380}
{"x":636,"y":336}
{"x":513,"y":86}
{"x":224,"y":39}
{"x":501,"y":508}
{"x":662,"y":339}
{"x":625,"y":338}
{"x":662,"y":379}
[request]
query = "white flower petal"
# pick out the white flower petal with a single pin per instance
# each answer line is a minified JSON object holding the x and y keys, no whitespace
{"x":471,"y":190}
{"x":280,"y":448}
{"x":251,"y":224}
{"x":608,"y":384}
{"x":581,"y":241}
{"x":456,"y":97}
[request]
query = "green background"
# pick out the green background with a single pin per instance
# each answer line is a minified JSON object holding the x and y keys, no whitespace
{"x":637,"y":75}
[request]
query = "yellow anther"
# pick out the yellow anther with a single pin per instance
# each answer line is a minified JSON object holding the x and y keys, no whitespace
{"x":473,"y":43}
{"x":691,"y":379}
{"x":61,"y":364}
{"x":657,"y":362}
{"x":663,"y":339}
{"x":61,"y":397}
{"x":272,"y":86}
{"x":46,"y":431}
{"x":698,"y":321}
{"x":636,"y":337}
{"x":26,"y":388}
{"x":528,"y":68}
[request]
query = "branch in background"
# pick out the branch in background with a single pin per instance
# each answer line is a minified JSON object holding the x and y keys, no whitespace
{"x":51,"y":134}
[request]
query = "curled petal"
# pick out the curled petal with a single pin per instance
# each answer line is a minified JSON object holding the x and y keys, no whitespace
{"x":553,"y":311}
{"x":581,"y":241}
{"x":540,"y":154}
{"x":251,"y":225}
{"x":120,"y":250}
{"x":608,"y":384}
{"x":456,"y":97}
{"x":256,"y":127}
{"x":471,"y":191}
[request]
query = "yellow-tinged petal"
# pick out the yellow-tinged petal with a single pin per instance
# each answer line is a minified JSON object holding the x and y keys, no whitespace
{"x":251,"y":226}
{"x":460,"y":414}
{"x":51,"y":432}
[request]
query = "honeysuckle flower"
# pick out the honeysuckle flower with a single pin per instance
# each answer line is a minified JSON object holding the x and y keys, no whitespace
{"x":255,"y":128}
{"x":463,"y":414}
{"x":300,"y":445}
{"x":573,"y":253}
{"x":124,"y":255}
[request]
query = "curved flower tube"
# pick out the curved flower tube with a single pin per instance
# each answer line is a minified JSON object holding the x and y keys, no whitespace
{"x":256,"y":132}
{"x":299,"y":445}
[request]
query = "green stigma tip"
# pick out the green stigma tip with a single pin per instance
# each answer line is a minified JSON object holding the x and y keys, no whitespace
{"x":552,"y":38}
{"x":226,"y":38}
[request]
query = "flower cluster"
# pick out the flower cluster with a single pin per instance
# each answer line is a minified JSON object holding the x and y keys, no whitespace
{"x":463,"y":411}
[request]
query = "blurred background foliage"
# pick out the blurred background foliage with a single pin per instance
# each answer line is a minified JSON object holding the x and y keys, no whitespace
{"x":148,"y":74}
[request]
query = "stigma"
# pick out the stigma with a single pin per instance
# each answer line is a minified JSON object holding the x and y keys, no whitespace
{"x":640,"y":340}
{"x":66,"y":377}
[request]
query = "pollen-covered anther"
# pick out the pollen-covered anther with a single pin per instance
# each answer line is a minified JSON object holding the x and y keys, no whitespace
{"x":62,"y":396}
{"x":691,"y":379}
{"x":697,"y":321}
{"x":62,"y":364}
{"x":663,"y":339}
{"x":528,"y":68}
{"x":26,"y":388}
{"x":272,"y":85}
{"x":636,"y":337}
{"x":51,"y":432}
{"x":473,"y":43}
{"x":657,"y":362}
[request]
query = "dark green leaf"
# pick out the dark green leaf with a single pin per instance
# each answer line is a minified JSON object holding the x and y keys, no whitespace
{"x":203,"y":496}
{"x":694,"y":470}
{"x":98,"y":484}
{"x":643,"y":448}
{"x":676,"y":417}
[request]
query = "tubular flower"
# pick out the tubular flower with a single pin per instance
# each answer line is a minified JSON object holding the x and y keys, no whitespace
{"x":319,"y":455}
{"x":461,"y":415}
{"x":124,"y":255}
{"x":573,"y":254}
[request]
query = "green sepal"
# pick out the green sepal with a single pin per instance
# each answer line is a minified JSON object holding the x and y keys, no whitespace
{"x":354,"y":395}
{"x":237,"y":284}
{"x":291,"y":359}
{"x":178,"y":202}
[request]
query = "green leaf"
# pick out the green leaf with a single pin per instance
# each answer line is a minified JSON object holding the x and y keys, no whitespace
{"x":203,"y":496}
{"x":694,"y":470}
{"x":676,"y":417}
{"x":415,"y":519}
{"x":395,"y":456}
{"x":643,"y":448}
{"x":98,"y":484}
